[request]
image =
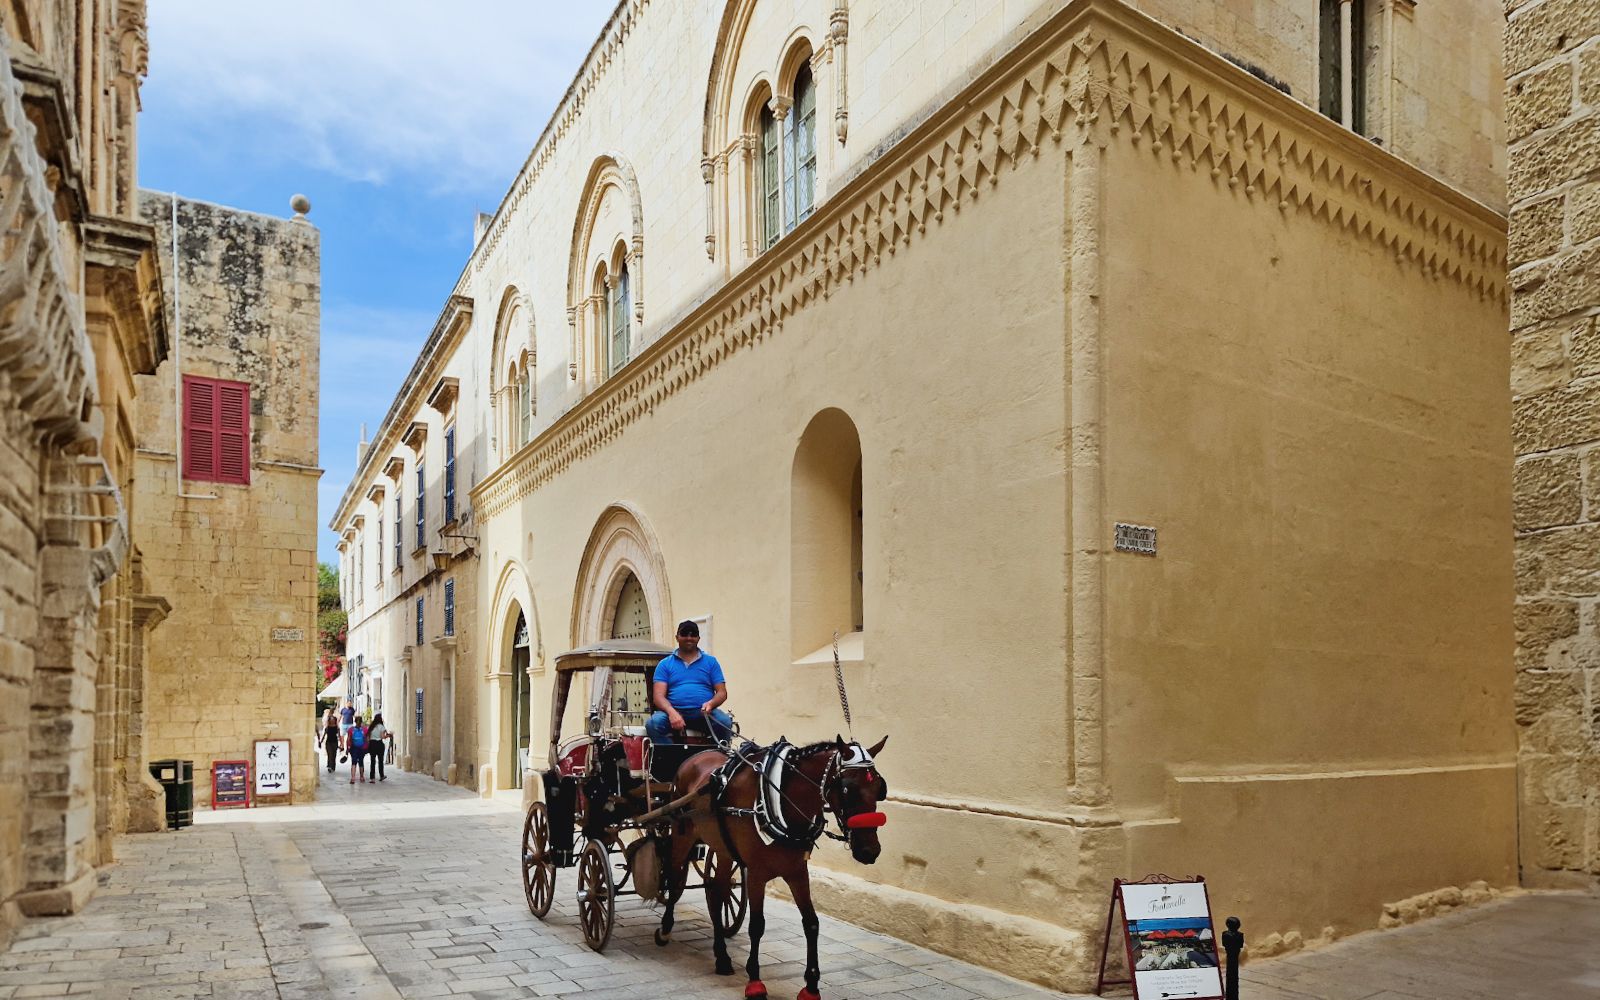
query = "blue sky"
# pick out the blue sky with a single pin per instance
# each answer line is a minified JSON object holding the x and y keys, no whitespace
{"x":399,"y":119}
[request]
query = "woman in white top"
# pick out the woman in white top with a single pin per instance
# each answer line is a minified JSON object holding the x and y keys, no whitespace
{"x":377,"y":733}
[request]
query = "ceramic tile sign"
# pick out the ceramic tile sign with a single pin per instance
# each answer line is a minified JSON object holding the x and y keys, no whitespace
{"x":272,"y":769}
{"x":1172,"y":947}
{"x":230,"y":784}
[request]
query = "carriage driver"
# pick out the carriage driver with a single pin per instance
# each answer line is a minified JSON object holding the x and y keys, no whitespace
{"x":688,"y":688}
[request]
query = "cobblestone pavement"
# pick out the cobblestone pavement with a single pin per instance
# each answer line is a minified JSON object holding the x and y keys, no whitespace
{"x":409,"y":888}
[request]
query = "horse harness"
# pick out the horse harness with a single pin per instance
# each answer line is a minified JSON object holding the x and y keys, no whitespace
{"x":773,"y":766}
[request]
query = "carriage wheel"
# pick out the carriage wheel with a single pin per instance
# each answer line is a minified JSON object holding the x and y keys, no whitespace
{"x":597,"y":903}
{"x":538,"y":871}
{"x":734,"y":907}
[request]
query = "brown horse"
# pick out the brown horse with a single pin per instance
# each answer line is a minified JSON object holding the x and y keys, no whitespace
{"x":836,"y":777}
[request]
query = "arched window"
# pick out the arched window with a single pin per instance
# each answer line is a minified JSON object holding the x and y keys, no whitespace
{"x":800,"y":150}
{"x":618,"y":326}
{"x":525,"y":404}
{"x":513,"y":406}
{"x":826,"y":534}
{"x":788,"y":160}
{"x":514,"y":376}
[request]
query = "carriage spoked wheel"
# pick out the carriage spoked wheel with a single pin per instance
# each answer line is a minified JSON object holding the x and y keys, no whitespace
{"x":735,"y":905}
{"x":538,"y":870}
{"x":597,"y":897}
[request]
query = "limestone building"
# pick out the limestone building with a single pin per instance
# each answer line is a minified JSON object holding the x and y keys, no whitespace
{"x":227,"y":488}
{"x":408,"y":569}
{"x":892,"y":319}
{"x":79,"y":321}
{"x":1553,"y":82}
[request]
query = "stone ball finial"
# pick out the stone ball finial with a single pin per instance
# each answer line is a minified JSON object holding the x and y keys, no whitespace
{"x":300,"y":204}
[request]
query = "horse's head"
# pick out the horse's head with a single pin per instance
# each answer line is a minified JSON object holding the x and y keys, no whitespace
{"x":854,"y":796}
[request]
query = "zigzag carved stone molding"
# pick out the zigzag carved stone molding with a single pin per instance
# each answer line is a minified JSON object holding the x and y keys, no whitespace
{"x":1097,"y":72}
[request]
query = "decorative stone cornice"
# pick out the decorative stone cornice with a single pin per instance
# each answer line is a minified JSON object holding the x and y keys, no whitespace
{"x":1096,"y":72}
{"x":443,"y":397}
{"x":375,"y":492}
{"x":124,"y":255}
{"x":43,"y":345}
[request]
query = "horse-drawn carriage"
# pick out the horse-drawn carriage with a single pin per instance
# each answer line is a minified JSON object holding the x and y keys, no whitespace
{"x":635,"y":817}
{"x":602,"y":792}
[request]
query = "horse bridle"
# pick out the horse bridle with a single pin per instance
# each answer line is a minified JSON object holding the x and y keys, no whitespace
{"x":838,"y":767}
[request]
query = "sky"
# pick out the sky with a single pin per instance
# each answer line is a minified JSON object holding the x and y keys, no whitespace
{"x":399,"y":119}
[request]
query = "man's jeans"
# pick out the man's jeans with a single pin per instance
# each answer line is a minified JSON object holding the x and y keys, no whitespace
{"x":660,"y":730}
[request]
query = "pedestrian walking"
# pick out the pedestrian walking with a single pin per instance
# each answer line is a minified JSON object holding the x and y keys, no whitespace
{"x":356,"y":743}
{"x":330,"y":737}
{"x":377,"y":734}
{"x":347,"y":718}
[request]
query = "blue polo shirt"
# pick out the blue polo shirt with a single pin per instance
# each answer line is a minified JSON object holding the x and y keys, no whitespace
{"x":689,"y":685}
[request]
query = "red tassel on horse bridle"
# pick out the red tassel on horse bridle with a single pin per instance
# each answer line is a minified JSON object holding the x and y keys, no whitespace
{"x":864,"y":821}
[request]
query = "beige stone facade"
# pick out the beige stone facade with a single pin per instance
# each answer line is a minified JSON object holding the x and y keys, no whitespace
{"x":233,"y":663}
{"x":409,"y":575}
{"x":1553,"y":70}
{"x":1056,"y":267}
{"x":79,"y":321}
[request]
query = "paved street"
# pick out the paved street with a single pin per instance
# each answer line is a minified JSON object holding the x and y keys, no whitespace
{"x":409,"y":889}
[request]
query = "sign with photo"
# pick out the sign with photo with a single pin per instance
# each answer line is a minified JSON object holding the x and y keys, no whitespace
{"x":1170,"y":941}
{"x":230,"y":784}
{"x":272,"y":769}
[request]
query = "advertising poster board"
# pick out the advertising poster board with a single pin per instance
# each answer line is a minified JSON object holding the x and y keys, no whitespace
{"x":1169,"y":938}
{"x":230,"y":784}
{"x":272,"y":769}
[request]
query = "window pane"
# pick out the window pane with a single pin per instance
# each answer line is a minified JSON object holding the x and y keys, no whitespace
{"x":805,"y":94}
{"x":790,"y":208}
{"x":770,"y":180}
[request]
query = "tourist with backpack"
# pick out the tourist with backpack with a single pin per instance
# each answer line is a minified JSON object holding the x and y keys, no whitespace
{"x":357,"y":745}
{"x":377,"y":733}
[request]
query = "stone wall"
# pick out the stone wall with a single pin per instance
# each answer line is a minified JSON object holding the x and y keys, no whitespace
{"x":234,"y":661}
{"x":1553,"y":107}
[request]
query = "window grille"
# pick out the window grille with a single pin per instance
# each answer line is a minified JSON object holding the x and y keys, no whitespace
{"x":449,"y":607}
{"x":419,"y":621}
{"x":397,"y":523}
{"x":419,"y":712}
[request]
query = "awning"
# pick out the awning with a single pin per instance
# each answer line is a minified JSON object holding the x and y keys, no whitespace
{"x":336,"y":689}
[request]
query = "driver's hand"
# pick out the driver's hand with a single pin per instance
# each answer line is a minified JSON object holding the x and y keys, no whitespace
{"x":675,"y":720}
{"x":706,"y":708}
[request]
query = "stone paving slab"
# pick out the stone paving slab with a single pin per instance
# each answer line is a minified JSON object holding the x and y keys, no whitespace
{"x":410,"y":888}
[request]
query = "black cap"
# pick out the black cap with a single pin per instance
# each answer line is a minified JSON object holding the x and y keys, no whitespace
{"x":689,"y":628}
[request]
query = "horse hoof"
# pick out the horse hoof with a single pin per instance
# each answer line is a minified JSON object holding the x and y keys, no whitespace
{"x":755,"y":990}
{"x":806,"y":994}
{"x":663,"y":938}
{"x":724,"y":966}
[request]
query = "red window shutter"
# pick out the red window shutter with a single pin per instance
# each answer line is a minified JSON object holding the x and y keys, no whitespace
{"x":216,"y":430}
{"x":233,"y":432}
{"x":199,"y":428}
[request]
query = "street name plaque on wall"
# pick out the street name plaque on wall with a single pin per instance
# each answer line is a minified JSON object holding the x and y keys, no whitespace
{"x":288,"y":635}
{"x":1136,"y":538}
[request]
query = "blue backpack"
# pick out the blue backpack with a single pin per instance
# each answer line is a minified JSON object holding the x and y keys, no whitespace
{"x":358,"y":738}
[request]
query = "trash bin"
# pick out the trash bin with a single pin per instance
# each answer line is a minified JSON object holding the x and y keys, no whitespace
{"x":177,"y":780}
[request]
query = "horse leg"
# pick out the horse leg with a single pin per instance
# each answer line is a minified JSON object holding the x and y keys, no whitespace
{"x":676,"y":867}
{"x":716,"y":892}
{"x":800,"y":887}
{"x":755,"y":891}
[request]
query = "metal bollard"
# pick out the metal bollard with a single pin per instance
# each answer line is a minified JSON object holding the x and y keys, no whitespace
{"x":1232,"y":943}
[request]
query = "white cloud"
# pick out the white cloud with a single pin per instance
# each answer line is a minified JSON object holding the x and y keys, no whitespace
{"x":452,"y":92}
